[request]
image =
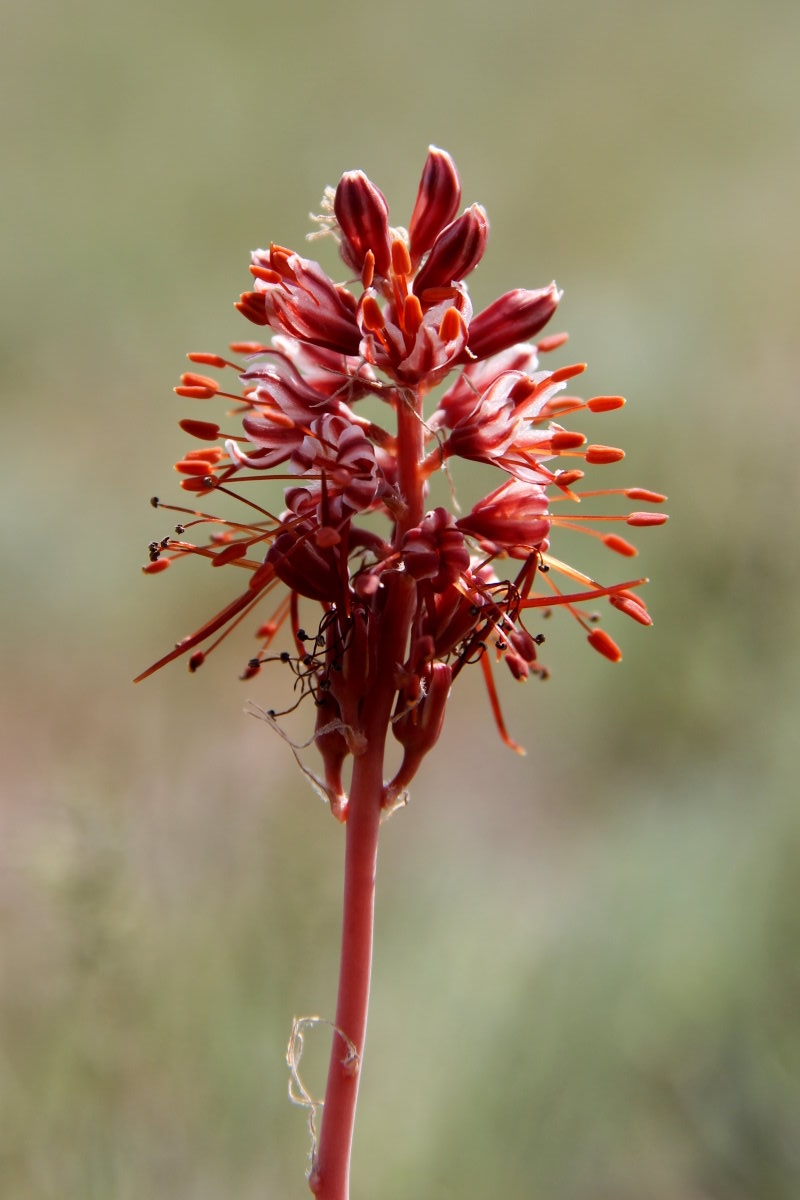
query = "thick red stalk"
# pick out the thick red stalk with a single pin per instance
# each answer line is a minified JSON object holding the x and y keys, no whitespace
{"x":330,"y":1173}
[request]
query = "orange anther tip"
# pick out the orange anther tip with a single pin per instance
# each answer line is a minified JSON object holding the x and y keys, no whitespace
{"x":452,"y":325}
{"x":401,"y":261}
{"x":604,"y":403}
{"x":599,"y":640}
{"x":368,"y":270}
{"x":371,"y":312}
{"x":597,"y":455}
{"x":192,"y":379}
{"x":194,"y":466}
{"x":247,"y":347}
{"x":197,"y":483}
{"x":552,"y":342}
{"x":153,"y":568}
{"x":619,"y":545}
{"x":564,"y":439}
{"x":195,"y":393}
{"x":567,"y":478}
{"x":647,"y":518}
{"x":207,"y":360}
{"x":265,"y":274}
{"x":631,"y":607}
{"x":412,"y":314}
{"x":435,"y":295}
{"x":207,"y":431}
{"x":564,"y":373}
{"x":644,"y":494}
{"x":560,"y":406}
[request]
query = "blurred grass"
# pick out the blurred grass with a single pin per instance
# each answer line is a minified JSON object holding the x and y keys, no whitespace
{"x":586,"y":978}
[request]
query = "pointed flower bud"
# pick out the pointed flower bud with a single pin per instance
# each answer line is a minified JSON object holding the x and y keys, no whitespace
{"x":437,"y":203}
{"x":515,"y":317}
{"x":436,"y":550}
{"x":457,"y":250}
{"x":418,"y":729}
{"x":363,"y":216}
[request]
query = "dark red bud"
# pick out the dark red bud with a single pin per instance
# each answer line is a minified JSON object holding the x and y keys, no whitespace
{"x":514,"y":317}
{"x":363,"y":216}
{"x":437,"y":203}
{"x":419,"y":728}
{"x":457,"y":250}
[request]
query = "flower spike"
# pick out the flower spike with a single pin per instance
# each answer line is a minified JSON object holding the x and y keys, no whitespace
{"x":376,"y":603}
{"x":403,"y":324}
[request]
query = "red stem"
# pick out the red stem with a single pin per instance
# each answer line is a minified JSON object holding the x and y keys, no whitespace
{"x":330,"y":1172}
{"x":330,"y":1175}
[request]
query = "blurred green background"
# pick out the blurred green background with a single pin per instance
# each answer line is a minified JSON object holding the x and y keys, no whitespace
{"x":586,"y":979}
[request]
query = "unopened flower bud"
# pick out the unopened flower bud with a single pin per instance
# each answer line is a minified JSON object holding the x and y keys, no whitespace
{"x":437,"y":203}
{"x":419,"y":728}
{"x":330,"y":742}
{"x":457,"y":250}
{"x":515,"y":317}
{"x":363,"y":216}
{"x":436,"y":550}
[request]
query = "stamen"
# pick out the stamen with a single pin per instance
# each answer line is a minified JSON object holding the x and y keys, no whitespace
{"x":265,"y":274}
{"x":248,"y":348}
{"x":564,"y":439}
{"x":644,"y":494}
{"x":368,"y":270}
{"x":194,"y":467}
{"x":564,"y":373}
{"x":599,"y":455}
{"x":198,"y":392}
{"x":372,"y":315}
{"x":598,"y":404}
{"x":551,"y":342}
{"x":619,"y":545}
{"x":401,"y":260}
{"x":209,"y":360}
{"x":206,"y":431}
{"x":192,"y":379}
{"x":452,"y":325}
{"x":600,"y":641}
{"x":647,"y":518}
{"x":565,"y":479}
{"x":412,"y":315}
{"x":632,"y":607}
{"x":210,"y":454}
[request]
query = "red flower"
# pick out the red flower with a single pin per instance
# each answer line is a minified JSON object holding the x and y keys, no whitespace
{"x":406,"y":598}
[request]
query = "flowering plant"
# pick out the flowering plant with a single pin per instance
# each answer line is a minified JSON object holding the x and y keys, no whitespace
{"x":403,"y":606}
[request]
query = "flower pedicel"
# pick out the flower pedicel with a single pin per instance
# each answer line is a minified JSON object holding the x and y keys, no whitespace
{"x":402,"y":607}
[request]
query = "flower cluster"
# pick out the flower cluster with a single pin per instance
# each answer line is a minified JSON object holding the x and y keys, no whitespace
{"x":402,"y":607}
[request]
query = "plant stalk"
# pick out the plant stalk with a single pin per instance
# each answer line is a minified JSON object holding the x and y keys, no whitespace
{"x":330,"y":1173}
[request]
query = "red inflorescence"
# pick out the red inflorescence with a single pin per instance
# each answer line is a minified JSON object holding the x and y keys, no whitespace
{"x":400,"y":326}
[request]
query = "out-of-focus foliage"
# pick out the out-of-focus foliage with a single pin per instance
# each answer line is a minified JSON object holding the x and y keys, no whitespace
{"x":586,"y":979}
